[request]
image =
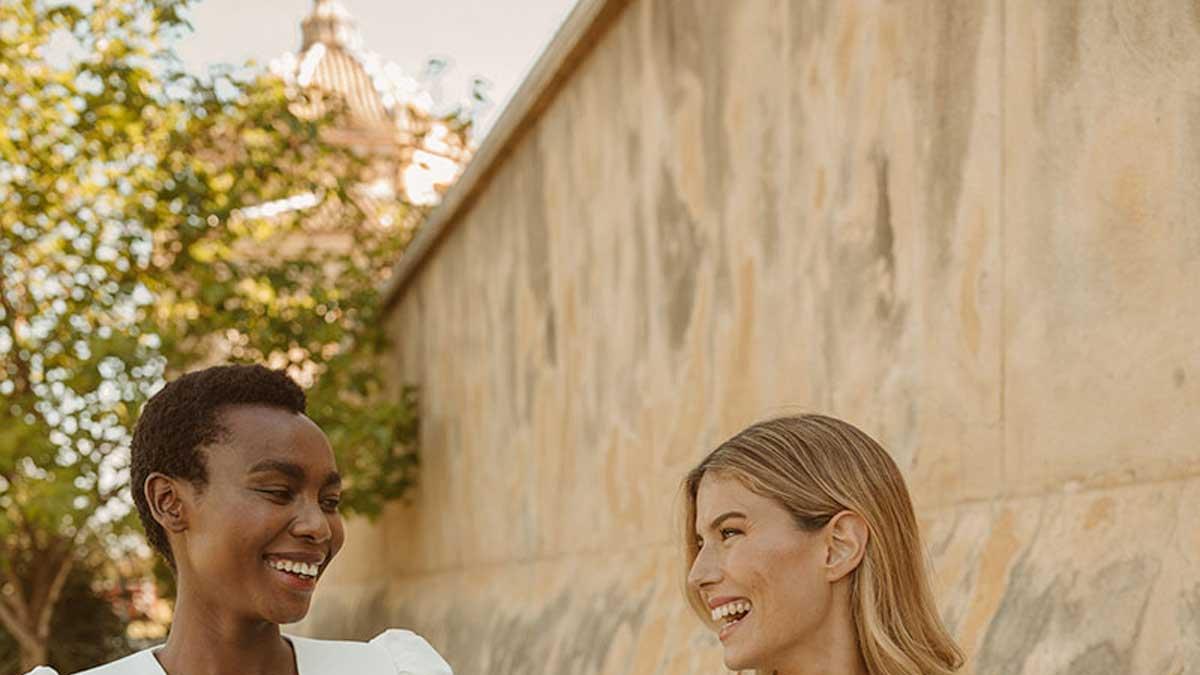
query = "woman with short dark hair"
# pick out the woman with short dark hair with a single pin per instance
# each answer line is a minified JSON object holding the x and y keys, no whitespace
{"x":239,"y":491}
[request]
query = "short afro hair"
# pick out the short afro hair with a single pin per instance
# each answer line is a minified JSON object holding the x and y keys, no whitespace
{"x":183,"y":417}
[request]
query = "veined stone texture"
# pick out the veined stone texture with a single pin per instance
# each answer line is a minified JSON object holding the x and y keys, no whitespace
{"x":971,"y":228}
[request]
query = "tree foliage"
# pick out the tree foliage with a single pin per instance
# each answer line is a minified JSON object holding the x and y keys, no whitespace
{"x":142,"y":234}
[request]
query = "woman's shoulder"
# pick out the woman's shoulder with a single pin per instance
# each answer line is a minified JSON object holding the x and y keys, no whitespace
{"x":401,"y":652}
{"x":411,"y":654}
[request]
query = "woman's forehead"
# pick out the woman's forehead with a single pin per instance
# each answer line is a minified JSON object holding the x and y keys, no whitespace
{"x":253,"y":434}
{"x":256,"y":424}
{"x":720,"y":491}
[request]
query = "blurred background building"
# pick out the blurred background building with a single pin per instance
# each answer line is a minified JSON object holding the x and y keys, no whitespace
{"x":415,"y":154}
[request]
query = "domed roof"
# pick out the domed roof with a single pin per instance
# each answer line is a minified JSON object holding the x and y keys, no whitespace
{"x":329,"y":24}
{"x":390,"y":113}
{"x":332,"y":60}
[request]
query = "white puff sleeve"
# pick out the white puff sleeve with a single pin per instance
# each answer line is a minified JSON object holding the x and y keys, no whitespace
{"x":410,"y":653}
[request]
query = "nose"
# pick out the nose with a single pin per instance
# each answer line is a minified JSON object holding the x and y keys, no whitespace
{"x":706,"y":569}
{"x":310,"y":522}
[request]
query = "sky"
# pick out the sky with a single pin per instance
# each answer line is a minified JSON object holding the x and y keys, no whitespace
{"x":498,"y":40}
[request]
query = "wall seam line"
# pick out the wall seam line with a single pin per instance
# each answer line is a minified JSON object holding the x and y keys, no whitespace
{"x":1003,"y":84}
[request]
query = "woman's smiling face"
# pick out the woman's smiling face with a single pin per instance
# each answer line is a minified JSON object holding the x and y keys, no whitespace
{"x":753,"y":556}
{"x":266,"y":525}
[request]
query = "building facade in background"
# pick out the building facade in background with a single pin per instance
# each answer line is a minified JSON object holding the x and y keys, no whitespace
{"x":969,"y":228}
{"x":414,"y":153}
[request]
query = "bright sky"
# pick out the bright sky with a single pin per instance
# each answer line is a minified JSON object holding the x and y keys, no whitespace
{"x":495,"y":39}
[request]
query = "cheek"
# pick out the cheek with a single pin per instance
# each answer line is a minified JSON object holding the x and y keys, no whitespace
{"x":790,"y":579}
{"x":337,"y":532}
{"x":216,"y":546}
{"x":240,"y":526}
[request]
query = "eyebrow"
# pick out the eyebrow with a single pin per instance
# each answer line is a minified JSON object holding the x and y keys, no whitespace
{"x":293,"y":471}
{"x":724,"y":517}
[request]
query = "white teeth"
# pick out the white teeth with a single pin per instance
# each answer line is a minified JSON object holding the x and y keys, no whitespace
{"x":729,"y":609}
{"x":295,"y":567}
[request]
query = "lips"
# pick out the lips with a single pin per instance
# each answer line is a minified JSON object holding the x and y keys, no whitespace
{"x":728,"y":628}
{"x":729,"y":612}
{"x":310,"y":557}
{"x":294,"y":581}
{"x":299,"y":568}
{"x":298,"y":571}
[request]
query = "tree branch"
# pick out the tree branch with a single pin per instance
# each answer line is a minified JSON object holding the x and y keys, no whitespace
{"x":31,"y":532}
{"x":46,"y":602}
{"x":14,"y":612}
{"x":18,"y":628}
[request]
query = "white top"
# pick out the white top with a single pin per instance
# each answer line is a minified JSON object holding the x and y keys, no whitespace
{"x":392,"y":652}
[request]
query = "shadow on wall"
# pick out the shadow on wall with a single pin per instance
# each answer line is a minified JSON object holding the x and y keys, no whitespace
{"x":568,"y":635}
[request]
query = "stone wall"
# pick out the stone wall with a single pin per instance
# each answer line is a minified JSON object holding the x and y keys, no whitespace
{"x":972,"y":228}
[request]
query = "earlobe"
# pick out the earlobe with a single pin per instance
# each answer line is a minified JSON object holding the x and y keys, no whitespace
{"x":167,"y":504}
{"x":846,"y":543}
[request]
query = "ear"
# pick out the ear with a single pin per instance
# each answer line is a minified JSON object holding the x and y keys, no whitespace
{"x":168,"y":500}
{"x":846,"y":537}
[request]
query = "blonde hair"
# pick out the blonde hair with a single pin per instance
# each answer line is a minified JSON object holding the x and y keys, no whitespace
{"x":816,"y":467}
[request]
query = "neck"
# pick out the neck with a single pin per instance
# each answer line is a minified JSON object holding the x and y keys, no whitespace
{"x":833,"y":651}
{"x":825,"y":660}
{"x":206,"y":639}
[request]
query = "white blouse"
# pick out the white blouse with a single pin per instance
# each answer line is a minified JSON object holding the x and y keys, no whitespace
{"x":392,"y":652}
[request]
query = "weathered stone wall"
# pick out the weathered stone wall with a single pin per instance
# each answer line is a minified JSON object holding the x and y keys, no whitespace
{"x":972,"y":228}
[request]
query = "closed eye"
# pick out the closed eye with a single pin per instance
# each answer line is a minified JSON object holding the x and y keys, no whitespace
{"x":277,"y":494}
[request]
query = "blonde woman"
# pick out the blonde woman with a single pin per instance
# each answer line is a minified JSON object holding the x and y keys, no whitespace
{"x":803,"y":554}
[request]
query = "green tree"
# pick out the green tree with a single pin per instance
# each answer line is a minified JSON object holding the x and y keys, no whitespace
{"x":134,"y":243}
{"x":88,"y":627}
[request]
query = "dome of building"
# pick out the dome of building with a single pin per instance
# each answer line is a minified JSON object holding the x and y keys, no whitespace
{"x":414,"y":153}
{"x":331,"y":60}
{"x":329,"y":24}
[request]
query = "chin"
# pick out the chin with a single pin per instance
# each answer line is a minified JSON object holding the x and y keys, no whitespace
{"x":733,"y":661}
{"x":286,"y":614}
{"x":736,"y":664}
{"x":741,"y":659}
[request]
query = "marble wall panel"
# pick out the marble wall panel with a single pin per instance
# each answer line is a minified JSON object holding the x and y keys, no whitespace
{"x":601,"y":612}
{"x":1100,"y":581}
{"x":1101,"y":242}
{"x":1092,"y":582}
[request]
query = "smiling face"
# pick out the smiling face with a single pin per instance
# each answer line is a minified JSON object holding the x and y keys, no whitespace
{"x":753,"y":556}
{"x":266,"y":525}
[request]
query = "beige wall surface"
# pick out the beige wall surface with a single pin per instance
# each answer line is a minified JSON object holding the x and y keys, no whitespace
{"x":971,"y":228}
